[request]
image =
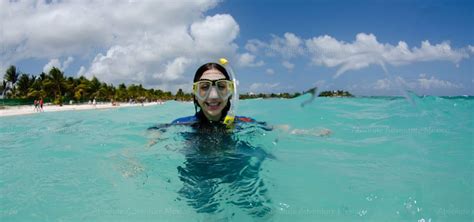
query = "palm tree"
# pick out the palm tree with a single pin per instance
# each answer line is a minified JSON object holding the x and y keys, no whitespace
{"x":11,"y":76}
{"x":23,"y":85}
{"x":121,"y":93}
{"x":3,"y":87}
{"x":94,"y":88}
{"x":36,"y":89}
{"x":56,"y":84}
{"x":179,"y":95}
{"x":81,"y":89}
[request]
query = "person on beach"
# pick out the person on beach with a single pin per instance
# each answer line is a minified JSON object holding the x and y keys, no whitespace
{"x":41,"y":104}
{"x":36,"y":105}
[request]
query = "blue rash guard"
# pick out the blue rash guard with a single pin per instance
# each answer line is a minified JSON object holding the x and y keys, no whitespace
{"x":188,"y":120}
{"x":200,"y":121}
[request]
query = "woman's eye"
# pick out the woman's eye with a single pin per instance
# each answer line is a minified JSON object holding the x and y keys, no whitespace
{"x":221,"y":85}
{"x":204,"y":86}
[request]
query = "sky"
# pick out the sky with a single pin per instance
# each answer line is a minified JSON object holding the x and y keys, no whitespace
{"x":366,"y":47}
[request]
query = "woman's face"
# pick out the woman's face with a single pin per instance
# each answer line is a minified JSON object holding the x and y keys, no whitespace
{"x":213,"y":105}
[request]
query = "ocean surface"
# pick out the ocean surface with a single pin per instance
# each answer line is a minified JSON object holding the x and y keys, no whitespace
{"x":335,"y":159}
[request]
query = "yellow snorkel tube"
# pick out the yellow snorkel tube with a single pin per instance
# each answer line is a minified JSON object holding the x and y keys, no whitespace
{"x":230,"y":118}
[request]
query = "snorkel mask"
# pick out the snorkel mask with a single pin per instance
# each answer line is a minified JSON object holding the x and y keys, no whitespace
{"x":203,"y":88}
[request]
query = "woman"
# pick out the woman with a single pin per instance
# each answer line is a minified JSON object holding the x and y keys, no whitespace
{"x":213,"y":90}
{"x":220,"y":170}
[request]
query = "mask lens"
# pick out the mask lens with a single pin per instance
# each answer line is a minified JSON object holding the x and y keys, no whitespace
{"x":223,"y":87}
{"x":203,"y":88}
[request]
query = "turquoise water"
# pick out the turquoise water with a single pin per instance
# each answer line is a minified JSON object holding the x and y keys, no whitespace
{"x":385,"y":160}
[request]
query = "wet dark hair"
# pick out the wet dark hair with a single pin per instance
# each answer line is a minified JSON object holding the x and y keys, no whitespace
{"x":199,"y":72}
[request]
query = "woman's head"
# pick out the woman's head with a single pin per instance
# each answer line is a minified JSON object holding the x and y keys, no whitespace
{"x":212,"y":90}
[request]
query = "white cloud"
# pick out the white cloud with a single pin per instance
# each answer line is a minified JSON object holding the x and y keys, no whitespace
{"x":254,"y":45}
{"x":288,"y":65}
{"x":433,"y":83}
{"x":52,"y":63}
{"x":214,"y":35}
{"x":423,"y":82}
{"x":470,"y":48}
{"x":263,"y":87}
{"x":56,"y":63}
{"x":41,"y":29}
{"x":174,"y":69}
{"x":270,"y":71}
{"x":66,"y":63}
{"x":82,"y":71}
{"x":248,"y":60}
{"x":156,"y":43}
{"x":382,"y":84}
{"x":364,"y":51}
{"x":162,"y":59}
{"x":288,"y":46}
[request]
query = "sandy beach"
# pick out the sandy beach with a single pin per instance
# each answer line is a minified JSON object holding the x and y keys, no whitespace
{"x":27,"y":110}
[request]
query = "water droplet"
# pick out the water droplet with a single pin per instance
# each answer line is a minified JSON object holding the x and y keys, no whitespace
{"x":283,"y":206}
{"x":362,"y":212}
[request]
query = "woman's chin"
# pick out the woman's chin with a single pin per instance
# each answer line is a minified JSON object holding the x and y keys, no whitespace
{"x":214,"y":112}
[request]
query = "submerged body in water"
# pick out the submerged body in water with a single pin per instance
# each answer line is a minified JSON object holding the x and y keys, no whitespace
{"x":219,"y":169}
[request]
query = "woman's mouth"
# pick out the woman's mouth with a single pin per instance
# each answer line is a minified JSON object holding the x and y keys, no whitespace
{"x":213,"y":105}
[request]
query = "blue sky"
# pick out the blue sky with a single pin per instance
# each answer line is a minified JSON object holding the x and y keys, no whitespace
{"x":274,"y":46}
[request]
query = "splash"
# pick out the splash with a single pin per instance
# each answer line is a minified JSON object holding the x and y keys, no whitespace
{"x":409,"y":95}
{"x":313,"y":91}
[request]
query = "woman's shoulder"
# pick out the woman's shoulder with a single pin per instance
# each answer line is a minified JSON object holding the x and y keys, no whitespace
{"x":185,"y":120}
{"x":192,"y":119}
{"x":244,"y":119}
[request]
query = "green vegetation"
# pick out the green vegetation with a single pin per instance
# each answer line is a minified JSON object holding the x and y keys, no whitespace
{"x":335,"y":93}
{"x":56,"y":87}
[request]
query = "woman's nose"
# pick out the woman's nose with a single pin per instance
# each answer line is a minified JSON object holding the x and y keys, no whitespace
{"x":213,"y":93}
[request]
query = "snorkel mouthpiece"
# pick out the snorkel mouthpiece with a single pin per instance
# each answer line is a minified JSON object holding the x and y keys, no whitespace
{"x":229,"y":121}
{"x":230,"y":118}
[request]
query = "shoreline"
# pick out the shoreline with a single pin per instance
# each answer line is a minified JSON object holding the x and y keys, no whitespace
{"x":29,"y":109}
